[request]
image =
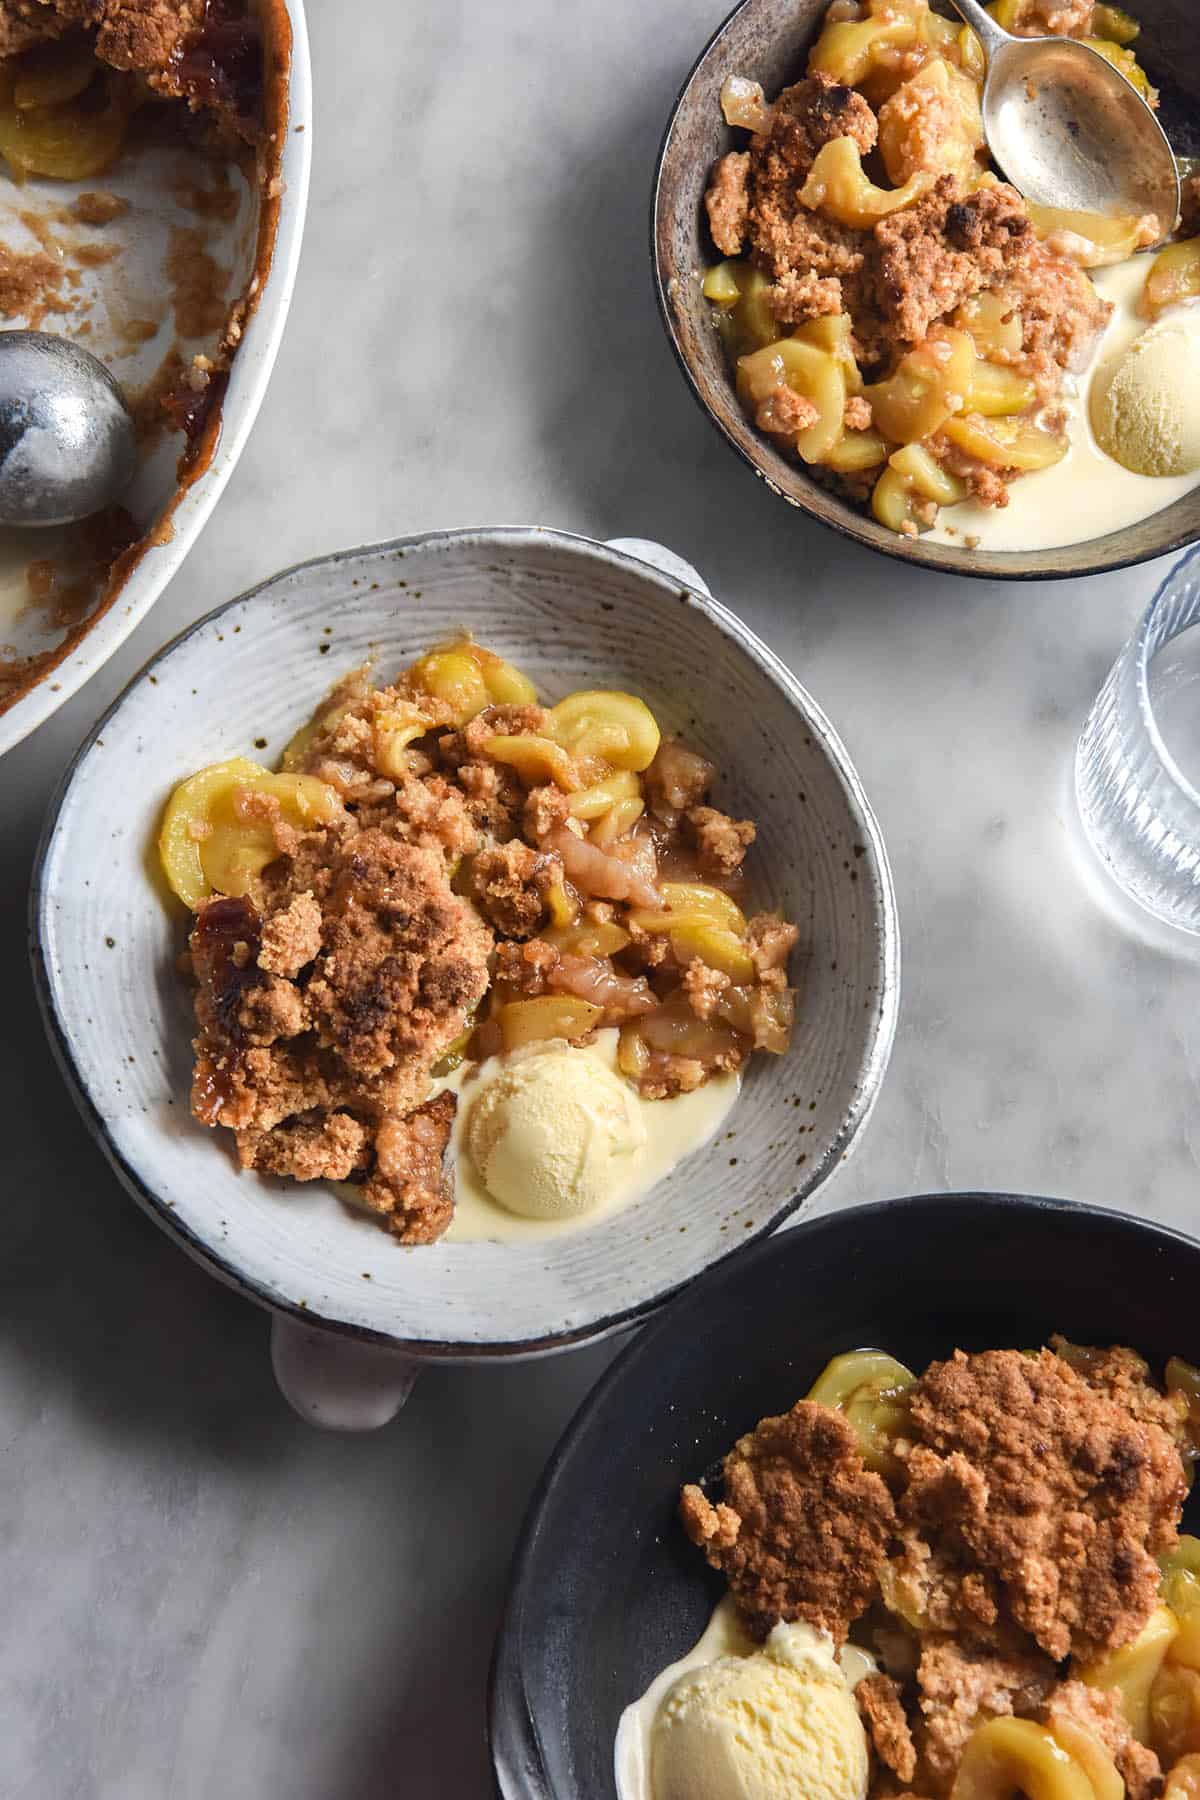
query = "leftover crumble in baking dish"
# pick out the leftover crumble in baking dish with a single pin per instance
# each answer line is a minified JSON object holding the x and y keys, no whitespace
{"x":141,"y":144}
{"x":444,"y":868}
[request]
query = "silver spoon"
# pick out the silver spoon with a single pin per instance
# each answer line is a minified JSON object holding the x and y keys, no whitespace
{"x":1069,"y":130}
{"x":67,"y":442}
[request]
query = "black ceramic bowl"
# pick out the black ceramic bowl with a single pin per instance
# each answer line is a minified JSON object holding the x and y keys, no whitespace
{"x":606,"y":1590}
{"x":768,"y":41}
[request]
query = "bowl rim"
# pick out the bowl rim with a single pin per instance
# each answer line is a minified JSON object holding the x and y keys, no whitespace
{"x":848,"y":524}
{"x":191,"y":506}
{"x":886,"y":924}
{"x":511,"y":1729}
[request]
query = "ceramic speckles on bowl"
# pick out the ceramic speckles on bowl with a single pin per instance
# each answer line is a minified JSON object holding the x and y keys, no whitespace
{"x":572,"y":613}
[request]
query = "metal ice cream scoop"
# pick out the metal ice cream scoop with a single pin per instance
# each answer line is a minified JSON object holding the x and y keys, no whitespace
{"x":67,"y":442}
{"x":1068,"y":129}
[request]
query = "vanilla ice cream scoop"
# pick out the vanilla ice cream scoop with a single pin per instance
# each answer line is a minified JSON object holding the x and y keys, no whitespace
{"x":555,"y":1132}
{"x":781,"y":1724}
{"x":1146,"y":407}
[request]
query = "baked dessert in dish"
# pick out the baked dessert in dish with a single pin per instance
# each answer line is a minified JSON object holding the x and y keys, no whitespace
{"x":74,"y":72}
{"x":140,"y":156}
{"x":967,"y":1583}
{"x":907,"y":325}
{"x":447,"y":876}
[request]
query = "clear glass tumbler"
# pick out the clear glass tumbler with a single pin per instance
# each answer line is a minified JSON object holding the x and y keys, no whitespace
{"x":1137,"y":764}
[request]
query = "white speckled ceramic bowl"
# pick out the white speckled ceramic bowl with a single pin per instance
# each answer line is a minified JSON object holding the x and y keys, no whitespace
{"x":573,"y":613}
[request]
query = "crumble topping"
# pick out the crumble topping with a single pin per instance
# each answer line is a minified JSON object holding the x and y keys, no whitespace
{"x":803,"y":1529}
{"x":930,"y":257}
{"x":959,"y":1686}
{"x":456,"y":852}
{"x":205,"y":52}
{"x":1001,"y":1566}
{"x":1042,"y":1500}
{"x":887,"y":1724}
{"x":321,"y":1016}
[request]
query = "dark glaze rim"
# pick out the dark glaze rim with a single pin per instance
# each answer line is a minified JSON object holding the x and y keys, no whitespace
{"x":791,"y":483}
{"x":519,"y":1767}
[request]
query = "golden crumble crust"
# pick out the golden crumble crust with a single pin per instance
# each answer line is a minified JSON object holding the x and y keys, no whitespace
{"x":1048,"y":1495}
{"x":959,"y":1686}
{"x":882,"y":1709}
{"x":803,"y":1527}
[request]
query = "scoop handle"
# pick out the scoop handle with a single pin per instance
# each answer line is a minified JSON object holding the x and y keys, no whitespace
{"x":339,"y":1383}
{"x":992,"y":36}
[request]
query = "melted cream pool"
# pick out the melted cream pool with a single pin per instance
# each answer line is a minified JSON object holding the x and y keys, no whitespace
{"x":722,"y":1636}
{"x":1087,"y":494}
{"x":674,"y":1129}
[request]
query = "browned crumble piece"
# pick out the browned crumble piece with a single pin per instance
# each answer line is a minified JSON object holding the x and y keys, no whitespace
{"x":722,"y":842}
{"x":1061,"y":314}
{"x":800,"y":294}
{"x":728,"y":202}
{"x":403,"y":957}
{"x":1056,"y":18}
{"x":650,"y":949}
{"x":272,"y":1010}
{"x":883,"y":1714}
{"x":959,"y":1688}
{"x":805,"y":118}
{"x":929,"y":257}
{"x":858,"y":415}
{"x":670,"y":1075}
{"x":545,"y":810}
{"x":816,"y":265}
{"x":1057,"y":1495}
{"x":429,"y":813}
{"x":506,"y":721}
{"x":984,"y":483}
{"x":139,"y":34}
{"x":525,"y":967}
{"x":328,"y":1147}
{"x":408,"y":1187}
{"x":712,"y":1528}
{"x":291,"y":937}
{"x":771,"y":941}
{"x":785,"y":413}
{"x":1099,"y":1711}
{"x":508,"y":884}
{"x":1125,"y":1377}
{"x":494,"y":798}
{"x":812,"y":1523}
{"x":99,"y":208}
{"x":704,"y":987}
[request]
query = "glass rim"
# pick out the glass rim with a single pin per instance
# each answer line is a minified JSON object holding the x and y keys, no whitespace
{"x":1142,"y":657}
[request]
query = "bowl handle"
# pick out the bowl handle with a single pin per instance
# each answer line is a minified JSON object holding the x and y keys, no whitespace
{"x":662,"y":559}
{"x":338,"y":1383}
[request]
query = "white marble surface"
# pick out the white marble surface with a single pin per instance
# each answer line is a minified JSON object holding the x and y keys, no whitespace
{"x":202,"y":1596}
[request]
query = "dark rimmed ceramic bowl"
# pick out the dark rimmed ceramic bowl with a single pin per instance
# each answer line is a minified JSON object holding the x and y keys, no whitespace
{"x":768,"y":41}
{"x":606,"y":1590}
